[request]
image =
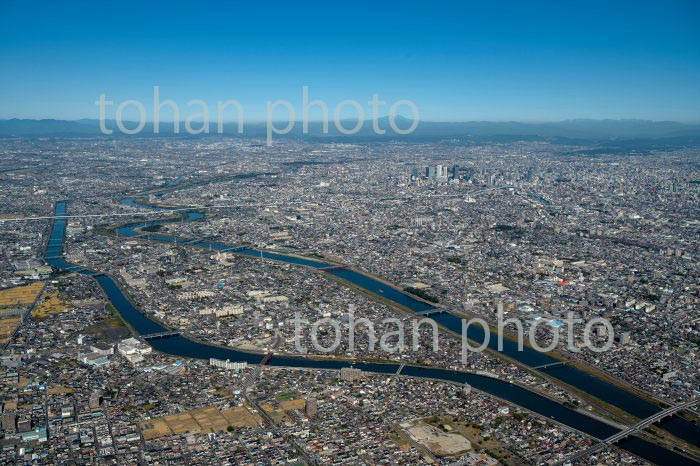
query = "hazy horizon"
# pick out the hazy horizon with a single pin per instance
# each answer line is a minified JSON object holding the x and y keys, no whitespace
{"x":398,"y":117}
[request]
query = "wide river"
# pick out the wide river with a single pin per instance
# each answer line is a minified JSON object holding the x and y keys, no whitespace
{"x":183,"y":347}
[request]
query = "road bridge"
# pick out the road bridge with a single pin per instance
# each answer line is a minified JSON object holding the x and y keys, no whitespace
{"x":398,"y":372}
{"x":333,"y":267}
{"x":631,"y":430}
{"x":160,"y":335}
{"x":258,"y":369}
{"x":435,"y":311}
{"x":551,"y":364}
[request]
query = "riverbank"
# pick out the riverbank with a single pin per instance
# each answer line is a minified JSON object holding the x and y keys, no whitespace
{"x":187,"y":348}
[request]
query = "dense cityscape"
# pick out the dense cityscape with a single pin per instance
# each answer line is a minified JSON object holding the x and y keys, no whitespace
{"x":453,"y":233}
{"x":527,"y":230}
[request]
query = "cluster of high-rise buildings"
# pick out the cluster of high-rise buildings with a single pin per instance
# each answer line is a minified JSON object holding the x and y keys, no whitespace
{"x":437,"y":172}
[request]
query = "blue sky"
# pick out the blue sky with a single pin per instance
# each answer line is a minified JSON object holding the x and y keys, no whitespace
{"x":492,"y":60}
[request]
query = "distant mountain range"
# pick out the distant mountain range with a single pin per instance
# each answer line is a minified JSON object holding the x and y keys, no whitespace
{"x":617,"y":133}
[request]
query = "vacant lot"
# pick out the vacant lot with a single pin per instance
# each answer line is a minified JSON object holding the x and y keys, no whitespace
{"x":241,"y":417}
{"x":289,"y":405}
{"x":50,"y":304}
{"x":438,"y":441}
{"x":7,"y":327}
{"x":20,"y":295}
{"x":155,"y":428}
{"x":58,"y":390}
{"x":204,"y":420}
{"x":109,"y":330}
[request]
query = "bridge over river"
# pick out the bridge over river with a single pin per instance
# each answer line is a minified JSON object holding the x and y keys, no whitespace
{"x":631,"y":430}
{"x":185,"y":347}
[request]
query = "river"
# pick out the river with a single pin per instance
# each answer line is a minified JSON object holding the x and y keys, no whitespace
{"x":183,"y":347}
